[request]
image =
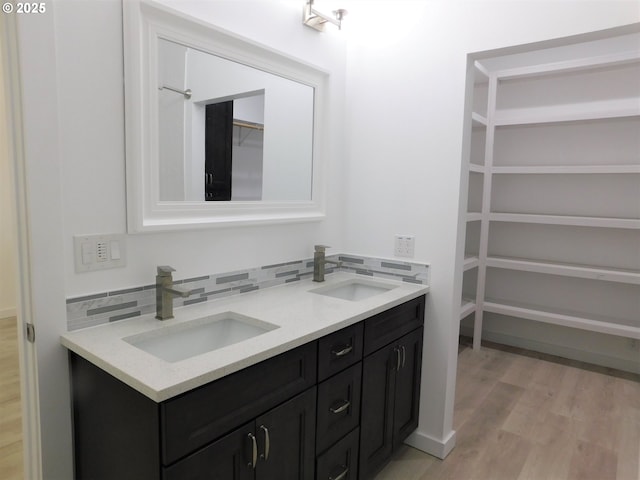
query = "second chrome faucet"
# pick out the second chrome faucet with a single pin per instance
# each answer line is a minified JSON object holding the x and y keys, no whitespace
{"x":319,"y":262}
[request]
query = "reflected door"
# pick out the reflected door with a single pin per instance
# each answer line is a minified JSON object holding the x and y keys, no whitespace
{"x":218,"y":151}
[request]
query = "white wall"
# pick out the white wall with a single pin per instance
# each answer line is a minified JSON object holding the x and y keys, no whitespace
{"x":406,"y":72}
{"x":7,"y":219}
{"x":401,"y":175}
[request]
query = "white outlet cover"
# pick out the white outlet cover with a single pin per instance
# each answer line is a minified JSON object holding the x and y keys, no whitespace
{"x":405,"y":246}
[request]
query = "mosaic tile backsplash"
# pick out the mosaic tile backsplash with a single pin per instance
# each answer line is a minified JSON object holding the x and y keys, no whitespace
{"x":91,"y":310}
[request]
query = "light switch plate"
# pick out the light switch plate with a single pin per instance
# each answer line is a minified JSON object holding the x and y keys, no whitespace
{"x":99,"y":252}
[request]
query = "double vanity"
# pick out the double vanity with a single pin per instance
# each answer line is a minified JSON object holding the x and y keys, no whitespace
{"x":300,"y":381}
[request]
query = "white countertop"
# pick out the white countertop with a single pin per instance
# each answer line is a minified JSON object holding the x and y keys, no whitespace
{"x":301,"y":317}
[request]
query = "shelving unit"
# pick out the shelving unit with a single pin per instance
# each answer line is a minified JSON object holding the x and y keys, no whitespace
{"x":553,"y":207}
{"x":475,"y":198}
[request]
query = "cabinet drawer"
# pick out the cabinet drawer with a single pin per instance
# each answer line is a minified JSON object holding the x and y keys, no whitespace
{"x":339,"y":350}
{"x":338,"y":406}
{"x":340,"y":462}
{"x":384,"y":328}
{"x":198,"y":417}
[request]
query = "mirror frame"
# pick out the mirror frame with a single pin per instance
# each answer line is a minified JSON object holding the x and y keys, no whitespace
{"x":144,"y":21}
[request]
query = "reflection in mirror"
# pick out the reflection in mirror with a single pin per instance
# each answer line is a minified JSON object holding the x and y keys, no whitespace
{"x":228,"y":131}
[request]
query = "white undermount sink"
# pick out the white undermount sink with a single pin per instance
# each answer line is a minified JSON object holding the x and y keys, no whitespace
{"x":354,"y":290}
{"x":186,"y":340}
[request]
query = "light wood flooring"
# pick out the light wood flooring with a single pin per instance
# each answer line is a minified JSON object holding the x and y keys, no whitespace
{"x":10,"y":408}
{"x":525,"y":416}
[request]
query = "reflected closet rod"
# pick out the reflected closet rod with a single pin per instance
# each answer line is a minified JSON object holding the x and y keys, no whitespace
{"x":255,"y":126}
{"x":186,"y":93}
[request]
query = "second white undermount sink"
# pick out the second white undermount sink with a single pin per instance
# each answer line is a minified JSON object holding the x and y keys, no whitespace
{"x":189,"y":339}
{"x":354,"y":290}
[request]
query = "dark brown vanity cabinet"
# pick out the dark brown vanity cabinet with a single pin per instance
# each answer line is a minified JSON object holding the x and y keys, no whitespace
{"x":390,"y":384}
{"x":332,"y":409}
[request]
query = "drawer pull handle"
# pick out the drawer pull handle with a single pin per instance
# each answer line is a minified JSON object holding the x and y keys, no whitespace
{"x":346,"y":404}
{"x":342,"y":475}
{"x":254,"y":451}
{"x":343,"y":352}
{"x":267,"y":446}
{"x":404,"y":355}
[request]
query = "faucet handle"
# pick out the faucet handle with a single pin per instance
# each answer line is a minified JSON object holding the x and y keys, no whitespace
{"x":321,"y":248}
{"x":165,"y":270}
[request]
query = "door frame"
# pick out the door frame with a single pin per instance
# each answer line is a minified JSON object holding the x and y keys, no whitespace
{"x":32,"y":458}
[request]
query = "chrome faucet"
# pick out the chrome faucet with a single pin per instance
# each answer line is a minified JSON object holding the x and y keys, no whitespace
{"x":319,"y":262}
{"x":165,"y":291}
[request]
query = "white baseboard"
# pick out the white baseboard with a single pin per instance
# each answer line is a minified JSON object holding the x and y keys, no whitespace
{"x":433,"y":446}
{"x":7,"y":312}
{"x":557,"y":350}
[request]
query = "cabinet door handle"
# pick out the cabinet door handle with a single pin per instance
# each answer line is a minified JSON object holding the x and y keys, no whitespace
{"x":342,"y":475}
{"x":343,"y":352}
{"x":398,"y":358}
{"x":254,"y":451}
{"x":267,"y":443}
{"x":404,"y":355}
{"x":345,"y":404}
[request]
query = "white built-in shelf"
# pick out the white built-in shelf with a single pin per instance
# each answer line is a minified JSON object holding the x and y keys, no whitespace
{"x":565,"y":169}
{"x":478,"y":120}
{"x":470,"y":261}
{"x":592,"y":111}
{"x":467,"y":307}
{"x":605,"y":222}
{"x":481,"y":73}
{"x":566,"y":66}
{"x":474,"y":216}
{"x":594,"y":323}
{"x":475,"y":168}
{"x":566,"y":269}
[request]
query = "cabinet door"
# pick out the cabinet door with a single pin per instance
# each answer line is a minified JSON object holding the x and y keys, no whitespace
{"x":229,"y":458}
{"x":376,"y":421}
{"x":115,"y":427}
{"x":286,"y":439}
{"x":407,"y":390}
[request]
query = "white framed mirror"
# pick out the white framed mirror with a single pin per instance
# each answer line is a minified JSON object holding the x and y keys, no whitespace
{"x":219,"y":129}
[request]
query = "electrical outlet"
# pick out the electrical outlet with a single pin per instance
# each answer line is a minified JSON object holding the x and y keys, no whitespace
{"x":634,"y":344}
{"x":405,"y":246}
